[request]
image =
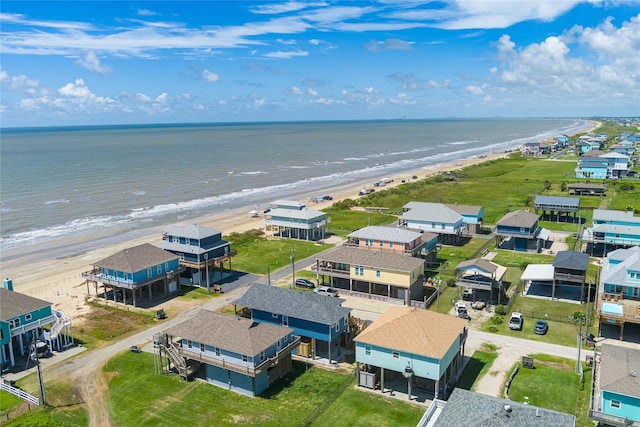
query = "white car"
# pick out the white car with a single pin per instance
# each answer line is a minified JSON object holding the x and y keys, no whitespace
{"x":516,"y":321}
{"x":325,"y":290}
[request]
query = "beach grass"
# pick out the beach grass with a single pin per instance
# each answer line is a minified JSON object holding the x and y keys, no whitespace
{"x":103,"y":323}
{"x":259,"y":255}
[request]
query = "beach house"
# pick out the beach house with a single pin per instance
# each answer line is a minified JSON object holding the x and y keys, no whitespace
{"x":559,"y":209}
{"x":125,"y":275}
{"x":520,"y":231}
{"x":472,"y":216}
{"x":319,"y":321}
{"x":372,"y":274}
{"x":435,"y":218}
{"x":407,"y":348}
{"x":616,"y":386}
{"x":587,"y":189}
{"x":202,"y":253}
{"x":29,"y":325}
{"x":592,"y":166}
{"x":483,"y":277}
{"x":395,"y":240}
{"x":232,"y":352}
{"x":618,"y":301}
{"x":467,"y":408}
{"x":293,"y":220}
{"x":613,"y":229}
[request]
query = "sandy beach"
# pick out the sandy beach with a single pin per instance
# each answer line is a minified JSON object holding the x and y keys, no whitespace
{"x":53,"y":270}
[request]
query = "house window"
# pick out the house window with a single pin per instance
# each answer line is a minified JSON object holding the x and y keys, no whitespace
{"x":14,"y":323}
{"x":189,"y":344}
{"x":159,"y":269}
{"x":201,"y":347}
{"x":279,"y":343}
{"x":149,"y":272}
{"x":368,"y":242}
{"x":187,"y":241}
{"x":217,"y":351}
{"x":286,"y":338}
{"x":433,"y":225}
{"x":442,"y":226}
{"x":274,"y":315}
{"x":261,"y":356}
{"x":367,"y":350}
{"x":615,"y":404}
{"x":245,"y":358}
{"x":337,"y":326}
{"x":27,"y":317}
{"x":377,"y":273}
{"x":166,"y":266}
{"x":381,"y":243}
{"x":395,"y":354}
{"x":391,"y":244}
{"x":285,"y":320}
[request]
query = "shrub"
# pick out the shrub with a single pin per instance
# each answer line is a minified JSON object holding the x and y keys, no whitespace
{"x":492,"y":328}
{"x":501,"y":309}
{"x":497,"y":319}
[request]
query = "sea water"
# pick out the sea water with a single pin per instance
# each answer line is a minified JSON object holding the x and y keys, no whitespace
{"x":60,"y":182}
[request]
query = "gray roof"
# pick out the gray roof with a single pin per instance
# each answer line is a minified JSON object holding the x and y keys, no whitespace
{"x":291,"y":204}
{"x":236,"y":334}
{"x":616,"y":229}
{"x":372,"y":259}
{"x":193,"y":231}
{"x":519,"y":218}
{"x":466,"y":408}
{"x":296,"y":304}
{"x":571,"y":259}
{"x":434,"y":212}
{"x":614,"y":215}
{"x":304,"y":213}
{"x":478,"y":263}
{"x":387,"y":234}
{"x":465,"y":209}
{"x":137,"y":258}
{"x":617,"y":274}
{"x":558,"y":201}
{"x":588,"y":186}
{"x":617,"y":364}
{"x":13,"y":304}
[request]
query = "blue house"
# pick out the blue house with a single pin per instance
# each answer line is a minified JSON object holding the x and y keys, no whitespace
{"x":472,"y":216}
{"x":617,"y":386}
{"x":202,"y":253}
{"x":618,"y":300}
{"x":592,"y":167}
{"x":294,"y":220}
{"x":436,"y":218}
{"x":520,"y":231}
{"x":614,"y":228}
{"x":425,"y":347}
{"x":319,"y":320}
{"x":23,"y":320}
{"x":232,"y":352}
{"x":125,"y":275}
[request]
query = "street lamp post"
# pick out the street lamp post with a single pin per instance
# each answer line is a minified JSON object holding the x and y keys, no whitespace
{"x":293,"y":265}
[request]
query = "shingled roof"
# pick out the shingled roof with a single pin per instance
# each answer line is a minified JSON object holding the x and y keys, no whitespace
{"x":296,"y":304}
{"x":137,"y":258}
{"x":13,"y":304}
{"x":414,"y":330}
{"x":571,"y":259}
{"x":236,"y":334}
{"x":372,"y":259}
{"x":617,"y":368}
{"x":519,"y":218}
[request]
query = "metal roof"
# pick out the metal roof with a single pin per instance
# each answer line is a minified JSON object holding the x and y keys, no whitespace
{"x":614,"y":215}
{"x":305,"y":213}
{"x":432,"y":212}
{"x":387,"y":234}
{"x":572,"y":260}
{"x":571,"y":202}
{"x":297,"y":304}
{"x":193,"y":231}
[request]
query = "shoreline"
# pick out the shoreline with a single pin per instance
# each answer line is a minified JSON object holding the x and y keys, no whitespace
{"x":52,"y":270}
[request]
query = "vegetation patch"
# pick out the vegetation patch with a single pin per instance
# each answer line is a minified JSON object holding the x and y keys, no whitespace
{"x":477,"y":366}
{"x":102,"y":324}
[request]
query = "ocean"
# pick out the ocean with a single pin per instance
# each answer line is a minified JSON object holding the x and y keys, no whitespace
{"x":62,"y":182}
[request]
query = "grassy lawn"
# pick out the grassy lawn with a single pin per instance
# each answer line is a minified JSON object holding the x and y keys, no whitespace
{"x":257,"y":254}
{"x":553,"y":384}
{"x":309,"y":396}
{"x":477,"y":366}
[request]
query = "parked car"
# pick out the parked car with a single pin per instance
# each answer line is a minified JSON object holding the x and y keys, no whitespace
{"x":325,"y":290}
{"x":541,"y":327}
{"x":160,"y":314}
{"x":135,"y":349}
{"x":467,"y":294}
{"x":516,"y":321}
{"x":305,"y":283}
{"x":461,"y":310}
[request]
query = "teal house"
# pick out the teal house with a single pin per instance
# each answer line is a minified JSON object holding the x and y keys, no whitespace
{"x":27,"y":322}
{"x":136,"y":273}
{"x":614,"y":229}
{"x":293,"y":220}
{"x":410,"y":348}
{"x":617,"y":388}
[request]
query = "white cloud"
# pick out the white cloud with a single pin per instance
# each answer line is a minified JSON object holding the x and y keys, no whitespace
{"x":92,"y":63}
{"x":162,"y":98}
{"x":475,"y":90}
{"x":20,"y":83}
{"x":209,"y":76}
{"x":141,"y":97}
{"x":286,"y":55}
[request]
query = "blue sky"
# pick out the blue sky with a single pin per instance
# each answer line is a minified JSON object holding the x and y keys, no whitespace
{"x":124,"y":62}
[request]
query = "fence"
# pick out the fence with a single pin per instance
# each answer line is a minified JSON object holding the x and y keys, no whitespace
{"x":21,"y":394}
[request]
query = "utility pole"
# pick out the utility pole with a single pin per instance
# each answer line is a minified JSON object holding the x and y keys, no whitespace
{"x":293,"y":265}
